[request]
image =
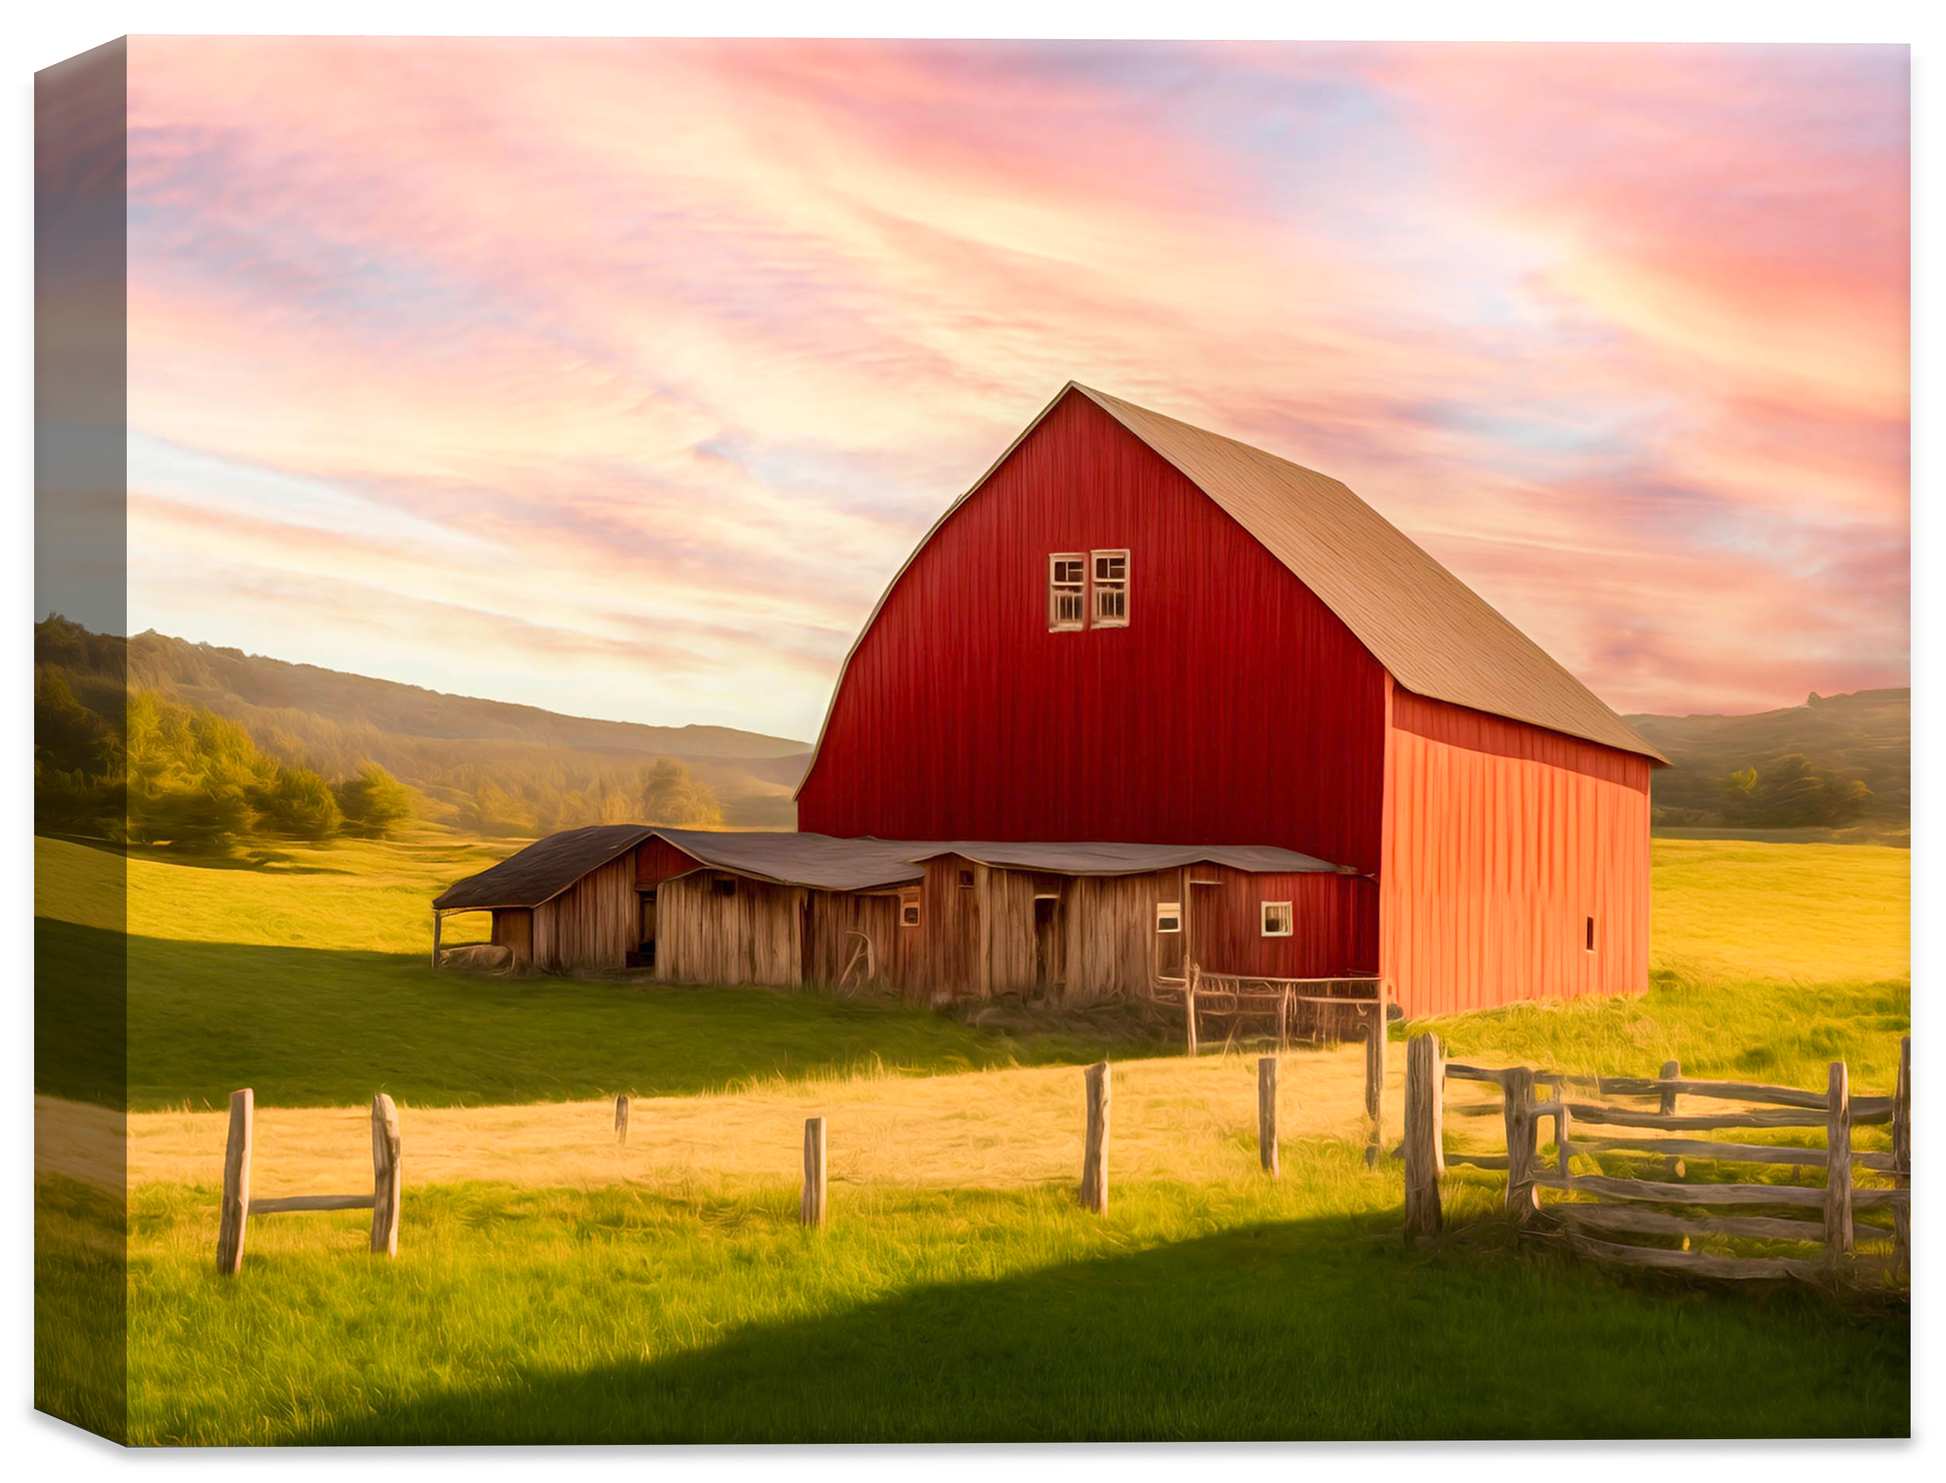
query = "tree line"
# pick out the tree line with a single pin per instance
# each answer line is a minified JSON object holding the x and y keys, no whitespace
{"x":141,"y":767}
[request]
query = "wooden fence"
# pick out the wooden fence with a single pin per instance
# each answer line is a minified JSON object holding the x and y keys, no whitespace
{"x":1285,"y":1007}
{"x":1624,"y":1204}
{"x":238,"y":1206}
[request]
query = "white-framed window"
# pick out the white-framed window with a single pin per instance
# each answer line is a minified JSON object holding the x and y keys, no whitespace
{"x":1277,"y":918}
{"x":1111,"y":588}
{"x":1168,"y":916}
{"x":1067,"y":591}
{"x":909,"y":906}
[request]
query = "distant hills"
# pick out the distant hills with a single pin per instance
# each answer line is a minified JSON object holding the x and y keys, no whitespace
{"x":485,"y":765}
{"x":1864,"y":737}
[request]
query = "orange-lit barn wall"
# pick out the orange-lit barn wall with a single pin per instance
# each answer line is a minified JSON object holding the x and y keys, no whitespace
{"x":1500,"y":841}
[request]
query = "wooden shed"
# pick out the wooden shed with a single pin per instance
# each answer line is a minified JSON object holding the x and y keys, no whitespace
{"x":1133,"y":629}
{"x":1070,"y":923}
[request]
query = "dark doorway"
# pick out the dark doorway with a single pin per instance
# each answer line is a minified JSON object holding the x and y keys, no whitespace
{"x":644,"y":954}
{"x":1047,"y":945}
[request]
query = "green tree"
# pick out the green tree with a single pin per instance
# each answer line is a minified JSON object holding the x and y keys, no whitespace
{"x":300,"y":805}
{"x":671,"y":796}
{"x":373,"y":802}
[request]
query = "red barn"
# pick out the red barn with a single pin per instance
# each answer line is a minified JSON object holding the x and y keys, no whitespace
{"x":1134,"y":630}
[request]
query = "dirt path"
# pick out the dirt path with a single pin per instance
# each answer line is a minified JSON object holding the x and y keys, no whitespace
{"x":1171,"y":1119}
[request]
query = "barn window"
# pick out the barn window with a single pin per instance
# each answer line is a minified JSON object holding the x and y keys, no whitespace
{"x":1591,"y":935}
{"x":909,"y":907}
{"x":966,"y":879}
{"x":724,"y":885}
{"x":1111,"y":589}
{"x":1067,"y":591}
{"x":1277,"y":919}
{"x":1168,"y":916}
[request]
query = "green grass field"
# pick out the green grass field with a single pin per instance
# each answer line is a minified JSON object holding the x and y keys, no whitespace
{"x":691,"y":1309}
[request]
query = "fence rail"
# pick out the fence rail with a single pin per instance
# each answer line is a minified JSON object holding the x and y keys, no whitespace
{"x":238,"y":1205}
{"x":1617,"y":1203}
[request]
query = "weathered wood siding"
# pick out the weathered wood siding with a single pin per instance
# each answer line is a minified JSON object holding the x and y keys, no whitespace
{"x":835,"y":915}
{"x":1008,"y":924}
{"x":513,"y":927}
{"x":752,"y":936}
{"x":592,"y":924}
{"x":656,"y":860}
{"x":1111,"y":937}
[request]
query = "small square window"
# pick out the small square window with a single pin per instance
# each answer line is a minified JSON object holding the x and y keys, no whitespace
{"x":1067,"y":591}
{"x":966,"y":879}
{"x":1277,"y":919}
{"x":1168,"y":916}
{"x":909,"y":907}
{"x":724,"y":885}
{"x":1111,"y":589}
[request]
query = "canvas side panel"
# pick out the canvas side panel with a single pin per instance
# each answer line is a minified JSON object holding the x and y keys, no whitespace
{"x":81,"y":947}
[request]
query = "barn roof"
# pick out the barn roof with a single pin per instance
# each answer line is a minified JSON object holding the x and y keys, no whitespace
{"x":1435,"y":635}
{"x":549,"y":866}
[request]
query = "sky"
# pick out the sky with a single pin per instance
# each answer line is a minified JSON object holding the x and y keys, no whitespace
{"x":619,"y":377}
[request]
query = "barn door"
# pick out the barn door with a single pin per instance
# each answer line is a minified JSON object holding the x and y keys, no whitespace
{"x":646,"y":935}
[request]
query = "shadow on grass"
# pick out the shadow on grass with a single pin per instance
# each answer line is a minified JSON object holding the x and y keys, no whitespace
{"x":259,"y":858}
{"x":309,"y":1027}
{"x":1290,"y":1330}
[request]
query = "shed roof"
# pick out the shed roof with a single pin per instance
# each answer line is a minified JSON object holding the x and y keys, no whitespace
{"x":1435,"y":635}
{"x":1129,"y":859}
{"x":549,"y":866}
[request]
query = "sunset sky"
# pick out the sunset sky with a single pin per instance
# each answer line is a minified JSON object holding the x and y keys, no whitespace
{"x":618,"y":377}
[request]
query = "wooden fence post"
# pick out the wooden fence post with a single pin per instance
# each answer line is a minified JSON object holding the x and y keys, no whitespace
{"x":1837,"y":1178}
{"x":1902,"y":1156}
{"x":810,"y":1210}
{"x":1375,"y":1073}
{"x":386,"y":1181}
{"x":1267,"y":1113}
{"x":1518,"y":1114}
{"x":1673,"y":1166}
{"x":236,"y":1182}
{"x":1189,"y":1006}
{"x":1094,"y":1162}
{"x":621,"y":1118}
{"x":1422,"y":1138}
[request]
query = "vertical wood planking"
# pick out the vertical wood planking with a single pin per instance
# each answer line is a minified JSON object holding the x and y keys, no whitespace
{"x":1375,"y":1029}
{"x":1518,"y":1115}
{"x":236,"y":1182}
{"x":810,"y":1210}
{"x":1837,"y":1179}
{"x":1422,"y":1137}
{"x":1902,"y":1155}
{"x":386,"y":1180}
{"x":1267,"y":1113}
{"x":1094,"y":1161}
{"x":621,"y":1118}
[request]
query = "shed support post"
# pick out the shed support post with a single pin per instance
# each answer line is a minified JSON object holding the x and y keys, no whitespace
{"x":1189,"y":1005}
{"x":437,"y":919}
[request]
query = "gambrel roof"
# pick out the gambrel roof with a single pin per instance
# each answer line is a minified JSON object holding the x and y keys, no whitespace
{"x":1435,"y":635}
